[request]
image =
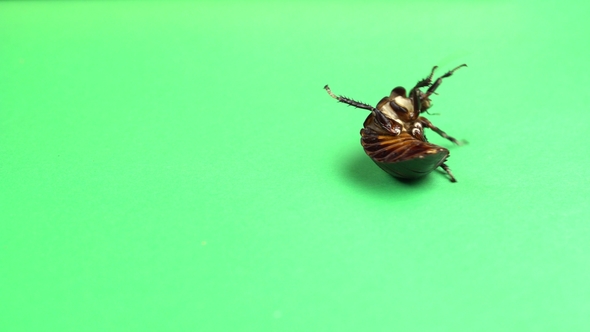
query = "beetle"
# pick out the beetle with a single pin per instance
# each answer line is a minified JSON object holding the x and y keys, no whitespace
{"x":393,"y":134}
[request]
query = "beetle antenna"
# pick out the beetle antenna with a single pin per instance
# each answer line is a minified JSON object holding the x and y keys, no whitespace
{"x":349,"y":101}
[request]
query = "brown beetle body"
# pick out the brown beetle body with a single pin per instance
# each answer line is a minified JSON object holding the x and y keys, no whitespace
{"x":393,"y":134}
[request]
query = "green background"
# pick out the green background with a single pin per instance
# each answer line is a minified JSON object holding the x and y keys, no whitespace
{"x":177,"y":166}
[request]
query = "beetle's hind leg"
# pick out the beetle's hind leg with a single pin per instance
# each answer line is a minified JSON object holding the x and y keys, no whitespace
{"x":446,"y":168}
{"x":426,"y":123}
{"x":438,"y":81}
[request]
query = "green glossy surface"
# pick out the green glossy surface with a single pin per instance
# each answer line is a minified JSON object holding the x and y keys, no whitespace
{"x":177,"y":166}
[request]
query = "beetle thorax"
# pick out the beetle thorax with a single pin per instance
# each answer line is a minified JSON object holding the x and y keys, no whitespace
{"x":406,"y":111}
{"x":399,"y":109}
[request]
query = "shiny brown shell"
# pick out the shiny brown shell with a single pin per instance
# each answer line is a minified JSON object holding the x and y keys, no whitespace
{"x":403,"y":155}
{"x":393,"y":134}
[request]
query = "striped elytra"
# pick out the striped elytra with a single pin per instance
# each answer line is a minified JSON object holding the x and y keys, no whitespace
{"x":393,"y":134}
{"x":403,"y":156}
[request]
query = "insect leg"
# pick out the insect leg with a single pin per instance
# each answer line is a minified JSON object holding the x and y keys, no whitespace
{"x":416,"y":94}
{"x":433,"y":87}
{"x":426,"y":81}
{"x":381,"y":119}
{"x":349,"y":101}
{"x":448,"y":170}
{"x":426,"y":123}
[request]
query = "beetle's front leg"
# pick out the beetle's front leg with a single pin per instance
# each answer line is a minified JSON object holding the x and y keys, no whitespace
{"x":438,"y":81}
{"x":426,"y":123}
{"x":416,"y":94}
{"x":426,"y":81}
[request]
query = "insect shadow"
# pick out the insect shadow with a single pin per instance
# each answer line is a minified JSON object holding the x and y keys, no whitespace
{"x":363,"y":172}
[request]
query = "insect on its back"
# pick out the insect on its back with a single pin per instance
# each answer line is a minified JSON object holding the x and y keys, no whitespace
{"x":393,"y":134}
